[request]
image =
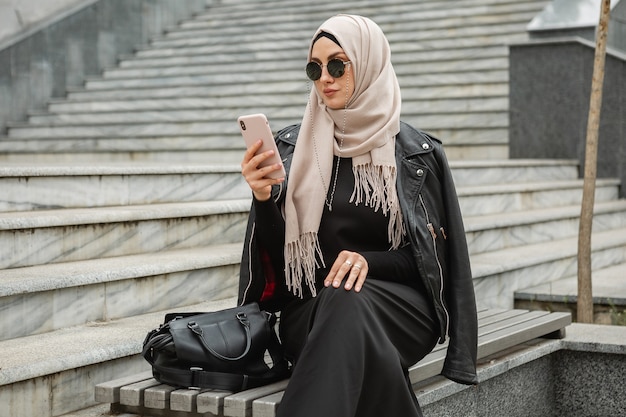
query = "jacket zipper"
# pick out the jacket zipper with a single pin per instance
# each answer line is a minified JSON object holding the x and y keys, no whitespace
{"x":433,"y":234}
{"x":245,"y":293}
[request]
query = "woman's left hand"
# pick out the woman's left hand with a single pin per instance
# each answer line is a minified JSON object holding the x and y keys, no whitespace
{"x":349,"y":266}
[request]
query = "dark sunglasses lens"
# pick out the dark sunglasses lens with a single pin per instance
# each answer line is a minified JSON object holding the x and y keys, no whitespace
{"x":336,"y":68}
{"x":313,"y":71}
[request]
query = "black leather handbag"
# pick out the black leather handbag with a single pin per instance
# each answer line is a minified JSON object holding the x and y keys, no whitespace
{"x":232,"y":349}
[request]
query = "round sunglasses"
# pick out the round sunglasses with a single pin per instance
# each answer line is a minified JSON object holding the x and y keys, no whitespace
{"x":336,"y":68}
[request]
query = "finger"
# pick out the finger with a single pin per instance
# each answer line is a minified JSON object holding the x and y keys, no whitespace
{"x":357,"y":276}
{"x":338,"y":270}
{"x":361,"y":276}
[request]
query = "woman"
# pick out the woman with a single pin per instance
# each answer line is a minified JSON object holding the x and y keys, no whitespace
{"x":362,"y":246}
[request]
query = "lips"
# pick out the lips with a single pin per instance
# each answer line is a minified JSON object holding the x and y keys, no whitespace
{"x":329,"y":91}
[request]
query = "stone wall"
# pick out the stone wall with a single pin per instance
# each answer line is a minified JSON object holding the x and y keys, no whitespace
{"x":60,"y":50}
{"x":581,"y":375}
{"x":550,"y":88}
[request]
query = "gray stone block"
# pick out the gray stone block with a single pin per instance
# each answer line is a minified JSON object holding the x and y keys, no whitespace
{"x":554,"y":78}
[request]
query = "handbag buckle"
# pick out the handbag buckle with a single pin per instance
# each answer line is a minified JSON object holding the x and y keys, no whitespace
{"x":243,"y":319}
{"x":194,"y":372}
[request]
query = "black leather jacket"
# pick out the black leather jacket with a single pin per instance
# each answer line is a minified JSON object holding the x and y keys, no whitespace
{"x":435,"y":229}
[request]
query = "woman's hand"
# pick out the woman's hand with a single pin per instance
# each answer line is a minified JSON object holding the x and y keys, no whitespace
{"x":349,"y":266}
{"x":256,"y":177}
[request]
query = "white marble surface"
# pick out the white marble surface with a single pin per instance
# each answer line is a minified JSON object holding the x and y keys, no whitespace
{"x":498,"y":274}
{"x":495,"y":232}
{"x":55,"y":296}
{"x":512,"y":171}
{"x":98,"y":188}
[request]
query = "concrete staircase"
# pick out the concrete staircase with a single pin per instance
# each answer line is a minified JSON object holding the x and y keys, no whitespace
{"x":124,"y":200}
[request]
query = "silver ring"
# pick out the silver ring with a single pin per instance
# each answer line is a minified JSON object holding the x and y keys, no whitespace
{"x":349,"y":263}
{"x":357,"y":266}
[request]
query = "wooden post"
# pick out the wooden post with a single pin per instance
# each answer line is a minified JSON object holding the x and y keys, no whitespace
{"x":584,"y":307}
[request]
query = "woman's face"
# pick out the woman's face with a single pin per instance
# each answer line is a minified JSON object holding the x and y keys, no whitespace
{"x":335,"y":92}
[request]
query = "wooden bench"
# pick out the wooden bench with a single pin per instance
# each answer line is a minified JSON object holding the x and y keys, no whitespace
{"x":142,"y":394}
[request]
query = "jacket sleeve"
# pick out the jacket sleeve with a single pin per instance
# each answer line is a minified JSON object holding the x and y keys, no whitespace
{"x":460,"y":362}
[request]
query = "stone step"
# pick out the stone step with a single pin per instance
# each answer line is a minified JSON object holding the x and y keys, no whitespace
{"x":512,"y":171}
{"x":272,"y":12}
{"x":486,"y":233}
{"x":498,"y":274}
{"x":608,"y":292}
{"x":517,"y":197}
{"x":51,"y":186}
{"x":174,"y":149}
{"x":274,"y":96}
{"x":289,"y":67}
{"x":228,"y":129}
{"x":69,"y":294}
{"x":450,"y":21}
{"x":52,"y":236}
{"x":228,"y":83}
{"x":75,"y":109}
{"x":483,"y":186}
{"x":404,"y":53}
{"x":194,"y":109}
{"x":55,"y":373}
{"x":395,"y":33}
{"x":195,"y":150}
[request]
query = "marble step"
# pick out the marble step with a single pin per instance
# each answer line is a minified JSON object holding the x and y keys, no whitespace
{"x":498,"y":274}
{"x":296,"y":45}
{"x":404,"y":53}
{"x":228,"y":129}
{"x":64,"y":235}
{"x":450,"y":21}
{"x":512,"y":171}
{"x":382,"y":12}
{"x":32,"y":186}
{"x":402,"y":69}
{"x":274,"y":96}
{"x":491,"y":232}
{"x":29,"y":186}
{"x":519,"y":12}
{"x":198,"y":150}
{"x":74,"y":293}
{"x":608,"y":288}
{"x":55,"y":373}
{"x":229,"y":82}
{"x":26,"y":187}
{"x":194,"y":109}
{"x":172,"y":149}
{"x":226,"y":106}
{"x":512,"y":198}
{"x":398,"y":32}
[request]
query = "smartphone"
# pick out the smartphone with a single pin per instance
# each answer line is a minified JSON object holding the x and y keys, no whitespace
{"x":254,"y":127}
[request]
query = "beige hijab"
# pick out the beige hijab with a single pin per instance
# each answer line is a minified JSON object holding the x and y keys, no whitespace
{"x":367,"y":126}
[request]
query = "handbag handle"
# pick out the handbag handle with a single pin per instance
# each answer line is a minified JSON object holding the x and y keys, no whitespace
{"x":243,"y":320}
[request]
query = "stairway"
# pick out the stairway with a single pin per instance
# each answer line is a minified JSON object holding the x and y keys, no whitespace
{"x":124,"y":200}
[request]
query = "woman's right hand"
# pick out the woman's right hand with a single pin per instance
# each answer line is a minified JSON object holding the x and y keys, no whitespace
{"x":255,"y":176}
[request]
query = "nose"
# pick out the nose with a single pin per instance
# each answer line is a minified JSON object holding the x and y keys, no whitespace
{"x":325,"y":77}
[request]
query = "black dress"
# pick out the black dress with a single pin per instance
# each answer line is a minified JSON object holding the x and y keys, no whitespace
{"x":351,"y":350}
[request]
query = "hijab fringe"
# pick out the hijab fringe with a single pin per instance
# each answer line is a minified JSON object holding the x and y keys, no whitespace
{"x":303,"y":256}
{"x":375,"y":187}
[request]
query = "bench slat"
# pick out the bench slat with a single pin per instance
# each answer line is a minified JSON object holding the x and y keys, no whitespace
{"x":184,"y":399}
{"x":522,"y":332}
{"x":109,"y":392}
{"x":158,"y":397}
{"x":133,"y":394}
{"x":267,"y":406}
{"x":211,"y":401}
{"x":240,"y":404}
